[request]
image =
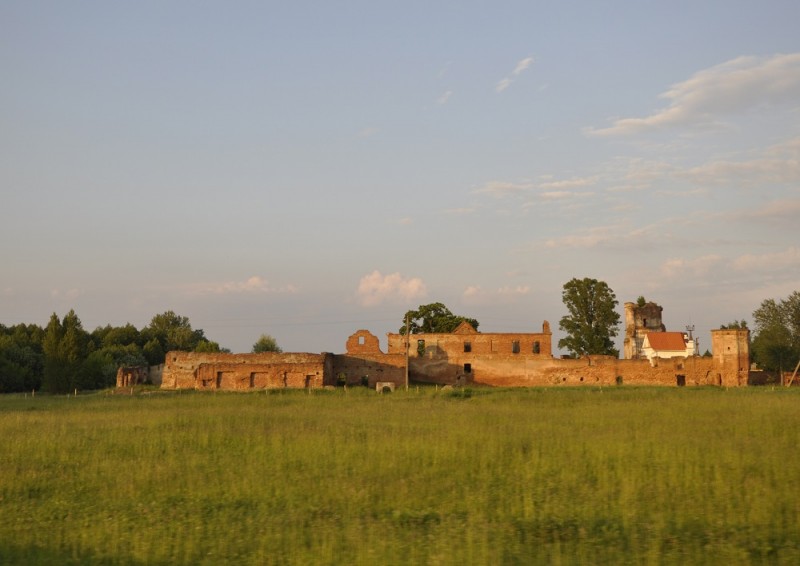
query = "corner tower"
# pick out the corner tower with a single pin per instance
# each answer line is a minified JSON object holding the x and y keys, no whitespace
{"x":731,"y":349}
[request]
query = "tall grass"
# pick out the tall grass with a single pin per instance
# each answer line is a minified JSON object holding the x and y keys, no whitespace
{"x":556,"y":476}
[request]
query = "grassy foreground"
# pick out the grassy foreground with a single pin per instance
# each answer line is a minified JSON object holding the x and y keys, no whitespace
{"x":550,"y":476}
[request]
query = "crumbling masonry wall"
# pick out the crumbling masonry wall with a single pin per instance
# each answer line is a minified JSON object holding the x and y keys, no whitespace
{"x":499,"y":360}
{"x":467,"y":356}
{"x":195,"y":370}
{"x":366,"y":364}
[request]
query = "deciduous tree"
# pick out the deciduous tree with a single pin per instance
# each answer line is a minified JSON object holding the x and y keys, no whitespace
{"x":433,"y":318}
{"x":776,"y":340}
{"x":173,"y":332}
{"x":266,"y":343}
{"x":592,"y":320}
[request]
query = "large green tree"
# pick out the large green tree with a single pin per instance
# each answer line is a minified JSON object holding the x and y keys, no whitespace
{"x":172,"y":332}
{"x":433,"y":318}
{"x":776,"y":339}
{"x":592,"y":321}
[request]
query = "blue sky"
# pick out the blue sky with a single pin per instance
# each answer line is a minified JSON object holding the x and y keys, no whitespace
{"x":307,"y":169}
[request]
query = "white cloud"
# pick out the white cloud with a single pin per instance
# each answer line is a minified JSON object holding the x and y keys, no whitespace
{"x":376,"y":288}
{"x":405,"y":221}
{"x":444,"y":97}
{"x":503,"y":84}
{"x":729,"y":88}
{"x":472,"y":291}
{"x":251,"y":285}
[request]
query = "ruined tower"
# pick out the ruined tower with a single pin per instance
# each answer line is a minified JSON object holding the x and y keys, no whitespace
{"x":731,"y":349}
{"x":639,"y":320}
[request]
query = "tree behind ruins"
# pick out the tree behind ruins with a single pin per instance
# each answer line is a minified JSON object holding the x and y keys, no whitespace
{"x":592,"y":321}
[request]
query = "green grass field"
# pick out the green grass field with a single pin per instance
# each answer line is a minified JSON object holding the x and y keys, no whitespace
{"x":483,"y":476}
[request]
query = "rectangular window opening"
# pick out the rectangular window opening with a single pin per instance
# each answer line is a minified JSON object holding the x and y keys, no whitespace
{"x":467,"y":347}
{"x":467,"y":368}
{"x":515,"y":347}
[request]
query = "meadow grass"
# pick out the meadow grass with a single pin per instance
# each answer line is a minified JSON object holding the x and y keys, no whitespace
{"x":481,"y":476}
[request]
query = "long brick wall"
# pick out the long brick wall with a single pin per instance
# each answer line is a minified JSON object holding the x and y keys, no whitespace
{"x":194,"y":370}
{"x":507,"y":360}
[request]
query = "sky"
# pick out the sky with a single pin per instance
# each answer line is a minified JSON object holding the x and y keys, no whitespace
{"x":307,"y":169}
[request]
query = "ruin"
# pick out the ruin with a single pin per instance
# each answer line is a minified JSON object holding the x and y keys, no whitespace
{"x":640,"y":320}
{"x":462,"y":357}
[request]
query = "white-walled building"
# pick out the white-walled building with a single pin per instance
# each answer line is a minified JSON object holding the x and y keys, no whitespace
{"x":667,"y":345}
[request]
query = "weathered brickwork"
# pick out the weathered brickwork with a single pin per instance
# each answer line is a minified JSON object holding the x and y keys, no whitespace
{"x":467,"y":356}
{"x":458,"y":358}
{"x":366,"y":364}
{"x":639,"y":321}
{"x":731,"y":353}
{"x":194,"y":370}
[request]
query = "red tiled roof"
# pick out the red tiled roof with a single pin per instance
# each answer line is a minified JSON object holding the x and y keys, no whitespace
{"x":663,"y":341}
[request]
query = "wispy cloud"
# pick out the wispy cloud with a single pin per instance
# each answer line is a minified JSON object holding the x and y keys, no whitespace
{"x":573,"y":183}
{"x":475,"y":294}
{"x":501,"y":189}
{"x":778,"y":164}
{"x":445,"y":96}
{"x":251,"y":285}
{"x":556,"y":195}
{"x":464,"y":211}
{"x":697,"y":267}
{"x":367,"y":132}
{"x":68,"y":294}
{"x":777,"y":211}
{"x":616,"y":236}
{"x":774,"y":261}
{"x":504,"y":83}
{"x":729,"y":88}
{"x":376,"y":288}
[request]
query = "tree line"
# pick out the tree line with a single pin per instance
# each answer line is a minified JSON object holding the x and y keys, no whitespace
{"x":63,"y":356}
